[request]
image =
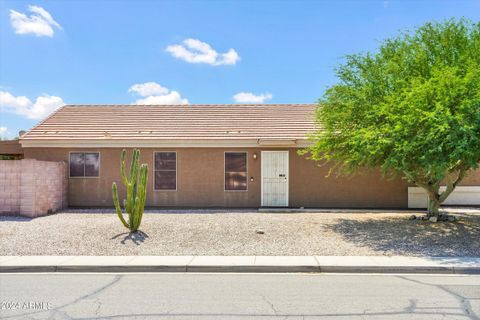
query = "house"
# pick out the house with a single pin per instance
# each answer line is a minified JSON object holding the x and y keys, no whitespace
{"x":209,"y":156}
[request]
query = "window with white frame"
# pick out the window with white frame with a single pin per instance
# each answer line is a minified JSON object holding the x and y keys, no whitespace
{"x":84,"y":164}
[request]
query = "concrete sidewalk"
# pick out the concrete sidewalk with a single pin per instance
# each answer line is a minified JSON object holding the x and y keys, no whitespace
{"x":331,"y":264}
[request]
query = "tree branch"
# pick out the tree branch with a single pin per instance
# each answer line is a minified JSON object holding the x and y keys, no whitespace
{"x":452,"y":185}
{"x":425,"y":185}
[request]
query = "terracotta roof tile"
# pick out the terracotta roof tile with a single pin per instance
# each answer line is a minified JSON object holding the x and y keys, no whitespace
{"x":206,"y":122}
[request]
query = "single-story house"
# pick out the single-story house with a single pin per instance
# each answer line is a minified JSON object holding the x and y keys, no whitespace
{"x":210,"y":156}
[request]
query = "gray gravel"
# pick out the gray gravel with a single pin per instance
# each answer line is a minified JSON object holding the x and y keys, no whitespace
{"x":91,"y":232}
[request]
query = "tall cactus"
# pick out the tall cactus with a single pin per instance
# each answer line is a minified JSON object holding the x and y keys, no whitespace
{"x":136,"y":185}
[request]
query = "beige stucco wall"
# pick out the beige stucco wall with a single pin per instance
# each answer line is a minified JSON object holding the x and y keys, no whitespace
{"x":32,"y":188}
{"x":200,"y":181}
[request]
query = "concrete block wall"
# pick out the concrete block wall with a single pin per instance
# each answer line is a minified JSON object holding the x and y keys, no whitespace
{"x":32,"y":188}
{"x":10,"y":186}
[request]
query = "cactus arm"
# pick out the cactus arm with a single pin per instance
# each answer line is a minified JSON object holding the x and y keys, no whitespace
{"x":135,"y":223}
{"x":125,"y":204}
{"x":134,"y":193}
{"x":122,"y":167}
{"x":132,"y":181}
{"x":143,"y":198}
{"x":128,"y":202}
{"x":117,"y":205}
{"x":134,"y":176}
{"x":134,"y":166}
{"x":140,"y":199}
{"x":125,"y":180}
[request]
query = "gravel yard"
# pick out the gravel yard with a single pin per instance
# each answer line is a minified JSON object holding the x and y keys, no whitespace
{"x":88,"y":232}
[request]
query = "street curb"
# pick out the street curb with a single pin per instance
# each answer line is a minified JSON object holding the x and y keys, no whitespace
{"x":241,"y":264}
{"x":238,"y":269}
{"x":388,"y":269}
{"x":113,"y":268}
{"x":255,"y":269}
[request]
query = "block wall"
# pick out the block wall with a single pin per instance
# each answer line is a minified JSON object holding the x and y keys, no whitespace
{"x":32,"y":188}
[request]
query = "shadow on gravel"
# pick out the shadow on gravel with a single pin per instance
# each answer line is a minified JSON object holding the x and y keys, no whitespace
{"x":137,"y":237}
{"x":14,"y":218}
{"x":400,"y":236}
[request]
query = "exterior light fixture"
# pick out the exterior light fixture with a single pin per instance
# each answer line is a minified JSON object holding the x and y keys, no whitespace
{"x":255,"y":156}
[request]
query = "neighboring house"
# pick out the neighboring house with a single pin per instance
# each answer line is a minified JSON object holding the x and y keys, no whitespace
{"x":11,"y":149}
{"x":208,"y":156}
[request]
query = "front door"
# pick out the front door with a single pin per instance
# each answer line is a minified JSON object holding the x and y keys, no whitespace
{"x":274,"y":178}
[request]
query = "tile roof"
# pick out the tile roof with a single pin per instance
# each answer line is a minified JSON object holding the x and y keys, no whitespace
{"x":176,"y":122}
{"x":10,"y":147}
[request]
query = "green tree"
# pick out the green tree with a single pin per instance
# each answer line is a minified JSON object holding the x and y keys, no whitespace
{"x":411,"y":109}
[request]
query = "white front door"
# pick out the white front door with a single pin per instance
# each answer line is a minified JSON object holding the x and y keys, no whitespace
{"x":274,"y":178}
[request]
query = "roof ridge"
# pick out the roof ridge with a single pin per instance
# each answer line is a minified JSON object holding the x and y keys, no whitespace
{"x":194,"y":104}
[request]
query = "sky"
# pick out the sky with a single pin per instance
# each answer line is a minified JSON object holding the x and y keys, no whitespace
{"x":188,"y":52}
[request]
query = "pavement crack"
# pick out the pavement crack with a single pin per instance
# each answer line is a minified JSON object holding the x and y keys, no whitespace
{"x":93,"y":293}
{"x":270,"y":304}
{"x":465,"y":305}
{"x":99,"y":305}
{"x":58,"y":310}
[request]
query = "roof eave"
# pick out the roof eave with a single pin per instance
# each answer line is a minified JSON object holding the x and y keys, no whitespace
{"x":173,"y":143}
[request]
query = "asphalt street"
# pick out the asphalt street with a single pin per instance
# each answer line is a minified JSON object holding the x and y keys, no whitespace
{"x":238,"y":296}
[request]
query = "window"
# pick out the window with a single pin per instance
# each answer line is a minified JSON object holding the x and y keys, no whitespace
{"x":235,"y":171}
{"x":84,"y":164}
{"x":165,"y":171}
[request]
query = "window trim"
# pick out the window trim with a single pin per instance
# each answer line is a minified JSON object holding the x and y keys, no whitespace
{"x":176,"y":171}
{"x":224,"y":172}
{"x":85,"y":177}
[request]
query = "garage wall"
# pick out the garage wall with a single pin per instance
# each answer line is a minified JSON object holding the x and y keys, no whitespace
{"x":466,"y":194}
{"x":462,"y":195}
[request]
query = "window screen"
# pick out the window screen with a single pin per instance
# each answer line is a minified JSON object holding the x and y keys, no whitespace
{"x":235,"y":171}
{"x":165,"y":171}
{"x":84,"y":164}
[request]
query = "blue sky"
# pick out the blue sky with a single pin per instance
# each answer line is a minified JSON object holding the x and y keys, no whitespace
{"x":93,"y":52}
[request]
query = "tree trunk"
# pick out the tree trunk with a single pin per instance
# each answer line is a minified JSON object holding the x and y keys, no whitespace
{"x":435,"y":198}
{"x":433,"y":206}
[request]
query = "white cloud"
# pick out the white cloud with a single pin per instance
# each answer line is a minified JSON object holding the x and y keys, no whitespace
{"x":196,"y":51}
{"x":42,"y":107}
{"x":170,"y":98}
{"x":3,"y":131}
{"x":39,"y":23}
{"x":148,"y":89}
{"x":248,"y":97}
{"x":9,"y":100}
{"x":153,"y":93}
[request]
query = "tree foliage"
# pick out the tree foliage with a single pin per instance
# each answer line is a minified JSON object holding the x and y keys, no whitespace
{"x":412,"y":108}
